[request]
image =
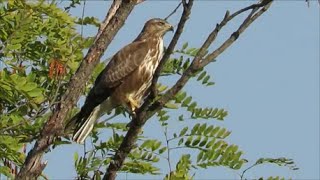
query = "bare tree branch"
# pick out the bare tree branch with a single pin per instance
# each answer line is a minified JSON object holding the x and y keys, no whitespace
{"x":33,"y":166}
{"x":197,"y":62}
{"x":184,"y":17}
{"x":147,"y":110}
{"x":138,"y":122}
{"x":112,"y":10}
{"x":251,"y":17}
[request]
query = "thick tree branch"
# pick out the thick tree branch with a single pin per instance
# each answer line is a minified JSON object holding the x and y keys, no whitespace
{"x":184,"y":17}
{"x":147,"y":110}
{"x":33,"y":166}
{"x":139,"y":121}
{"x":112,"y":10}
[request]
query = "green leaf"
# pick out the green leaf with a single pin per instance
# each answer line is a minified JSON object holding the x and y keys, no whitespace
{"x":203,"y":142}
{"x":183,"y":131}
{"x":214,"y":131}
{"x":221,"y":133}
{"x":161,"y":113}
{"x":180,"y":96}
{"x":75,"y":156}
{"x":195,"y":128}
{"x":164,"y":118}
{"x":171,"y":106}
{"x":6,"y":171}
{"x":210,"y":83}
{"x":186,"y":101}
{"x":29,"y":86}
{"x":211,"y":143}
{"x":186,"y":64}
{"x":180,"y":141}
{"x":196,"y":141}
{"x":156,"y":145}
{"x":200,"y":155}
{"x":192,"y":106}
{"x":201,"y":76}
{"x":147,"y":144}
{"x":13,"y":47}
{"x":238,"y":165}
{"x":188,"y":141}
{"x":185,"y":45}
{"x":190,"y":50}
{"x":162,"y":150}
{"x":162,"y":88}
{"x":202,"y":128}
{"x":208,"y":130}
{"x":194,"y":52}
{"x":35,"y":92}
{"x":206,"y":79}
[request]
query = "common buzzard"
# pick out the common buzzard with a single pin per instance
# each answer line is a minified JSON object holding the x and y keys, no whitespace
{"x":125,"y":79}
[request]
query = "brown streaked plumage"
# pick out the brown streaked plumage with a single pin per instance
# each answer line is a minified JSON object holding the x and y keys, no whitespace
{"x":124,"y":80}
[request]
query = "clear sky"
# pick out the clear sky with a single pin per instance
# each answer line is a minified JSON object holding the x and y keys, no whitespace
{"x":268,"y":81}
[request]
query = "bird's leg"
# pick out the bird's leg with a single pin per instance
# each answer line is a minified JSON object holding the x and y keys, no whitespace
{"x":133,"y":105}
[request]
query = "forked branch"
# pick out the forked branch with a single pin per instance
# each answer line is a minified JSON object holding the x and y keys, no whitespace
{"x":148,"y":109}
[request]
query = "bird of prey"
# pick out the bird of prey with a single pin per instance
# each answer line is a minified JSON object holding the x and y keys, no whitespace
{"x":125,"y":80}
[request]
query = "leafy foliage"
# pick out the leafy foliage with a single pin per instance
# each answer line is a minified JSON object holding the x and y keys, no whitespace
{"x":282,"y":161}
{"x":198,"y":112}
{"x":273,"y":178}
{"x":176,"y":66}
{"x":278,"y":161}
{"x":39,"y":51}
{"x":209,"y":143}
{"x":182,"y":169}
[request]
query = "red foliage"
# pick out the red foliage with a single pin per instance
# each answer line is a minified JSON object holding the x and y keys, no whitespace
{"x":56,"y":69}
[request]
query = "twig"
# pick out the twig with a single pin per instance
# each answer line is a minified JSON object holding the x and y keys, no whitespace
{"x":168,"y":151}
{"x":174,"y":11}
{"x":10,"y":127}
{"x":243,"y":172}
{"x":55,"y":96}
{"x":250,"y":18}
{"x":153,"y":152}
{"x":82,"y":16}
{"x":190,"y":147}
{"x":15,"y":108}
{"x":33,"y":166}
{"x":188,"y":135}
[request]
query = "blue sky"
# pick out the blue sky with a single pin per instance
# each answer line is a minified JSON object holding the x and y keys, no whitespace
{"x":268,"y":81}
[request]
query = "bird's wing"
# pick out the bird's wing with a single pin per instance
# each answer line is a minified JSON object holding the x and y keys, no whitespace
{"x":123,"y":63}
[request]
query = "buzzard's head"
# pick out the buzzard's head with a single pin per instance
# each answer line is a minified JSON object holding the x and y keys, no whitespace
{"x":157,"y":27}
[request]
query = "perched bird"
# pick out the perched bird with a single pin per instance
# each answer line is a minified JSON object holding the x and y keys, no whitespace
{"x":125,"y":79}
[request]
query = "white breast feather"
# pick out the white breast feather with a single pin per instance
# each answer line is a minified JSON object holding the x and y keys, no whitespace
{"x":151,"y":67}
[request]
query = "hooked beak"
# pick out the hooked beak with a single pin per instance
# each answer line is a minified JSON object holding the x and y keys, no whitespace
{"x":171,"y":28}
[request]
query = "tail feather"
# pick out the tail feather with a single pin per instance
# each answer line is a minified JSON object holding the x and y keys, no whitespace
{"x":84,"y":125}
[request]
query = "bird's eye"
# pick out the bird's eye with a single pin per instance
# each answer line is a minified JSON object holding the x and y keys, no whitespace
{"x":161,"y":23}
